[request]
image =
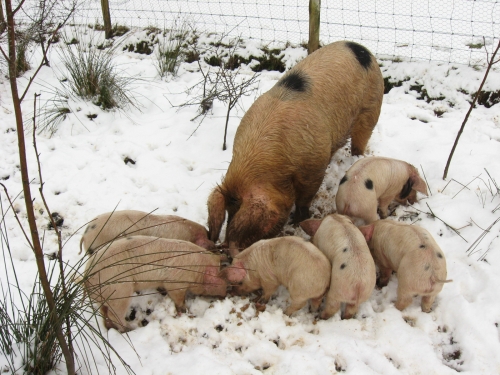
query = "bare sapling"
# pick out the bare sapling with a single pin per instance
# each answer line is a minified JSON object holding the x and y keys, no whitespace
{"x":220,"y":81}
{"x":43,"y":17}
{"x":490,"y":61}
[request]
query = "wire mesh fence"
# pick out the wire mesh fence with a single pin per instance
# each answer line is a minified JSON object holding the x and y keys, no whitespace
{"x":437,"y":30}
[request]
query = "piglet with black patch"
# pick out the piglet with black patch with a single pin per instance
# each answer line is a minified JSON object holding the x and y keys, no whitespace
{"x":131,"y":264}
{"x":287,"y":137}
{"x":353,"y":270}
{"x":375,"y":182}
{"x":413,"y":254}
{"x":112,"y":225}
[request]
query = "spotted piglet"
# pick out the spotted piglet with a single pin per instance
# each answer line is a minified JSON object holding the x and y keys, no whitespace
{"x":107,"y":227}
{"x":377,"y":181}
{"x":290,"y":261}
{"x":353,"y":270}
{"x":414,"y":255}
{"x":130,"y":264}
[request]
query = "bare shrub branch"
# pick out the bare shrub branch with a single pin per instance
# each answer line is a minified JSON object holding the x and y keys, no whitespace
{"x":491,"y":61}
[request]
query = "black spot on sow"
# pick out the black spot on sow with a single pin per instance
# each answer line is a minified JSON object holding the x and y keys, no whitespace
{"x":439,"y":255}
{"x":342,"y":266}
{"x":362,"y":54}
{"x":296,"y":81}
{"x":369,"y":184}
{"x":344,"y":179}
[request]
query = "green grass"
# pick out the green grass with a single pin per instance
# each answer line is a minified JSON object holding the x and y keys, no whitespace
{"x":170,"y":51}
{"x":22,"y":62}
{"x":92,"y":75}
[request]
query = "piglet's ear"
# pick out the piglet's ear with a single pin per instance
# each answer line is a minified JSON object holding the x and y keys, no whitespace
{"x":310,"y":226}
{"x":416,"y":182}
{"x":419,"y":184}
{"x":367,"y":231}
{"x":234,"y":273}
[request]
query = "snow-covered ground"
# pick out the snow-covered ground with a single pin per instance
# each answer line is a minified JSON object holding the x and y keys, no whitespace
{"x":178,"y":162}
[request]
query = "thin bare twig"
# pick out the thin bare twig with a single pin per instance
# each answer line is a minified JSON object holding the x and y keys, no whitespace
{"x":478,"y":240}
{"x":433,"y":215}
{"x":425,"y":177}
{"x":490,"y":64}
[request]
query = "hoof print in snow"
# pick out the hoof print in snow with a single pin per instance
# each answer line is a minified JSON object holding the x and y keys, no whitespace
{"x":219,"y":328}
{"x":265,"y":366}
{"x":92,"y":116}
{"x":10,"y":130}
{"x":419,"y":119}
{"x":127,"y":160}
{"x":452,"y":359}
{"x":411,"y":321}
{"x":340,"y":365}
{"x":439,"y":112}
{"x":57,"y":219}
{"x":5,"y":178}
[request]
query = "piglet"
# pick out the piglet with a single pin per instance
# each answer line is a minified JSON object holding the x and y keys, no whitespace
{"x":414,"y":255}
{"x":289,"y":261}
{"x":131,"y":264}
{"x":377,"y":181}
{"x":111,"y":225}
{"x":353,"y":269}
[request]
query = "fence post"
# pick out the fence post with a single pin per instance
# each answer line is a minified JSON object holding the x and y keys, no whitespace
{"x":3,"y":24}
{"x":107,"y":18}
{"x":314,"y":13}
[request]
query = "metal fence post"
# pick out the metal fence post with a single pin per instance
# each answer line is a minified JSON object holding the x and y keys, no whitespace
{"x":314,"y":18}
{"x":107,"y":18}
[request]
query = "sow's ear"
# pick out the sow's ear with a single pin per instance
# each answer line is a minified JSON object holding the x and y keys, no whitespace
{"x":367,"y":231}
{"x":216,"y":213}
{"x":310,"y":226}
{"x":235,"y":273}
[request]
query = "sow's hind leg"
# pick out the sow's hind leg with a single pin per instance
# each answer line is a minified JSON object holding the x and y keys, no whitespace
{"x":362,"y":130}
{"x":367,"y":118}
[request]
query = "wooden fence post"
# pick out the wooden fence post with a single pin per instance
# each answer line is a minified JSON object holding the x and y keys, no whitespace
{"x":314,"y":18}
{"x":107,"y":18}
{"x":3,"y":24}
